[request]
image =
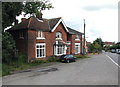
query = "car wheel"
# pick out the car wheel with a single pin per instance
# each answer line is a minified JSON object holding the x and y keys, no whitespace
{"x":74,"y":60}
{"x":68,"y":61}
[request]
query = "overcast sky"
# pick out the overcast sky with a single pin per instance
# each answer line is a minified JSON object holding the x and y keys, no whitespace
{"x":101,"y":17}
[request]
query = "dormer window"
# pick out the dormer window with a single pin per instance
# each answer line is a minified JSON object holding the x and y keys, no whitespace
{"x":77,"y":37}
{"x":40,"y":35}
{"x":58,"y":35}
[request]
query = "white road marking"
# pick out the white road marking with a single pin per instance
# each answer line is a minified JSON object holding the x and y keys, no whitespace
{"x":113,"y":61}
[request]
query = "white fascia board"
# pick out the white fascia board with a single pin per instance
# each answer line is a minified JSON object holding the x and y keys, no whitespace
{"x":58,"y":24}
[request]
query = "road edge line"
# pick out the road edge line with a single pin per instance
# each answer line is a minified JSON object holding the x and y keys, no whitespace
{"x":113,"y":61}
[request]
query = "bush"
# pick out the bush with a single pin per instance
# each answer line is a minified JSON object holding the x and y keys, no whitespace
{"x":39,"y":61}
{"x":21,"y":59}
{"x":8,"y":47}
{"x":5,"y":70}
{"x":51,"y":59}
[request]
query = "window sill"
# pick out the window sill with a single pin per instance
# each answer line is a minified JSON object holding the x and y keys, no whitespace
{"x":58,"y":38}
{"x":40,"y":38}
{"x":77,"y":53}
{"x":41,"y":57}
{"x":77,"y":39}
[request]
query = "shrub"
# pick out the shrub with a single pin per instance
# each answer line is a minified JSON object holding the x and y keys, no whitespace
{"x":39,"y":61}
{"x":52,"y":59}
{"x":21,"y":59}
{"x":5,"y":70}
{"x":8,"y":47}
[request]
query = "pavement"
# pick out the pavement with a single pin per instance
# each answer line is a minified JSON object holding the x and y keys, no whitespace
{"x":97,"y":70}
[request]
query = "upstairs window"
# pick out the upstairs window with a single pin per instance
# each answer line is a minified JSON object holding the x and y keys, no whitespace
{"x":77,"y":48}
{"x":40,"y":35}
{"x":58,"y":35}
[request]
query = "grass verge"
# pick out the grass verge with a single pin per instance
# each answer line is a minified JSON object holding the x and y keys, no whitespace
{"x":82,"y":56}
{"x":18,"y":66}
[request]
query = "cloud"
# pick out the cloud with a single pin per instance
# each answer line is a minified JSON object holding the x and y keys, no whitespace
{"x":99,"y":7}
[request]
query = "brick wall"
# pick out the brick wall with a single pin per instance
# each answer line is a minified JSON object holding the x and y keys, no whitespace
{"x":51,"y":38}
{"x":20,"y":42}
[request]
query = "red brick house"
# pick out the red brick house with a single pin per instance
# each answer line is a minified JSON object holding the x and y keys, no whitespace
{"x":108,"y":44}
{"x":40,"y":38}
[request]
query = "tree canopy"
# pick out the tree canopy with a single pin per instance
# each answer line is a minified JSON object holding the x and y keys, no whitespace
{"x":12,"y":9}
{"x":99,"y":41}
{"x":9,"y":12}
{"x":96,"y":46}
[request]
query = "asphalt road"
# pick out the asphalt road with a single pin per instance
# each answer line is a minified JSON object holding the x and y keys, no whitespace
{"x":97,"y":70}
{"x":113,"y":56}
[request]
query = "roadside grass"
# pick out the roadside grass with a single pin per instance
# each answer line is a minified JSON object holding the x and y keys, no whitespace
{"x":22,"y":65}
{"x":15,"y":66}
{"x":82,"y":56}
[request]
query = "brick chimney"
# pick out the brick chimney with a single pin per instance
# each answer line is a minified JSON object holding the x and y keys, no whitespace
{"x":23,"y":19}
{"x":39,"y":16}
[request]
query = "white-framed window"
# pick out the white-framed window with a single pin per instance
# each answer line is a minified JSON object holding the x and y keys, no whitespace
{"x":77,"y":37}
{"x":40,"y":35}
{"x":40,"y":50}
{"x":58,"y":35}
{"x":77,"y":48}
{"x":59,"y":50}
{"x":21,"y":35}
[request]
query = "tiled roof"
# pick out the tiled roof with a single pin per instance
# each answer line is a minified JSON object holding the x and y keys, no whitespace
{"x":108,"y":43}
{"x":72,"y":31}
{"x":53,"y":22}
{"x":36,"y":24}
{"x":88,"y":43}
{"x":44,"y":25}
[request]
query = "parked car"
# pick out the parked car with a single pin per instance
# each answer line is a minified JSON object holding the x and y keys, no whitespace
{"x":113,"y":51}
{"x":118,"y":51}
{"x":67,"y":58}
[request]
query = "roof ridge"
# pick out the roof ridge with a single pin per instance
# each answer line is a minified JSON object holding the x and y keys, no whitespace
{"x":73,"y":29}
{"x":55,"y":18}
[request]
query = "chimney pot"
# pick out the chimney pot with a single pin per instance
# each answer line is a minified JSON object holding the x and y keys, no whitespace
{"x":23,"y":19}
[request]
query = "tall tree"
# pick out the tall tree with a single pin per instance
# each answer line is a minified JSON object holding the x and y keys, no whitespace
{"x":99,"y":41}
{"x":9,"y":12}
{"x":12,"y":9}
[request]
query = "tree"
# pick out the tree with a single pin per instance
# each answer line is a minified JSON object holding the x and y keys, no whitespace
{"x":99,"y":41}
{"x":96,"y":46}
{"x":12,"y":9}
{"x":9,"y":12}
{"x":8,"y":46}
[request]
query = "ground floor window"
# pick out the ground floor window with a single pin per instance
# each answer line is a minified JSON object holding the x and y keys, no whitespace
{"x":77,"y":48}
{"x":59,"y":50}
{"x":40,"y":50}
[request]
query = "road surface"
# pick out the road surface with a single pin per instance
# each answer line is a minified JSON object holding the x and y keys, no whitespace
{"x":97,"y":70}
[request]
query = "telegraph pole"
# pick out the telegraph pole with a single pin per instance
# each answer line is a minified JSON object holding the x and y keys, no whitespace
{"x":84,"y":39}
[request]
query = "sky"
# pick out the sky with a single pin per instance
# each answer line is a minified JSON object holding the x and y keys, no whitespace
{"x":101,"y":17}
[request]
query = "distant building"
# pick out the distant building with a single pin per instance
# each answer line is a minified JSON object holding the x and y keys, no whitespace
{"x":108,"y":44}
{"x":88,"y":43}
